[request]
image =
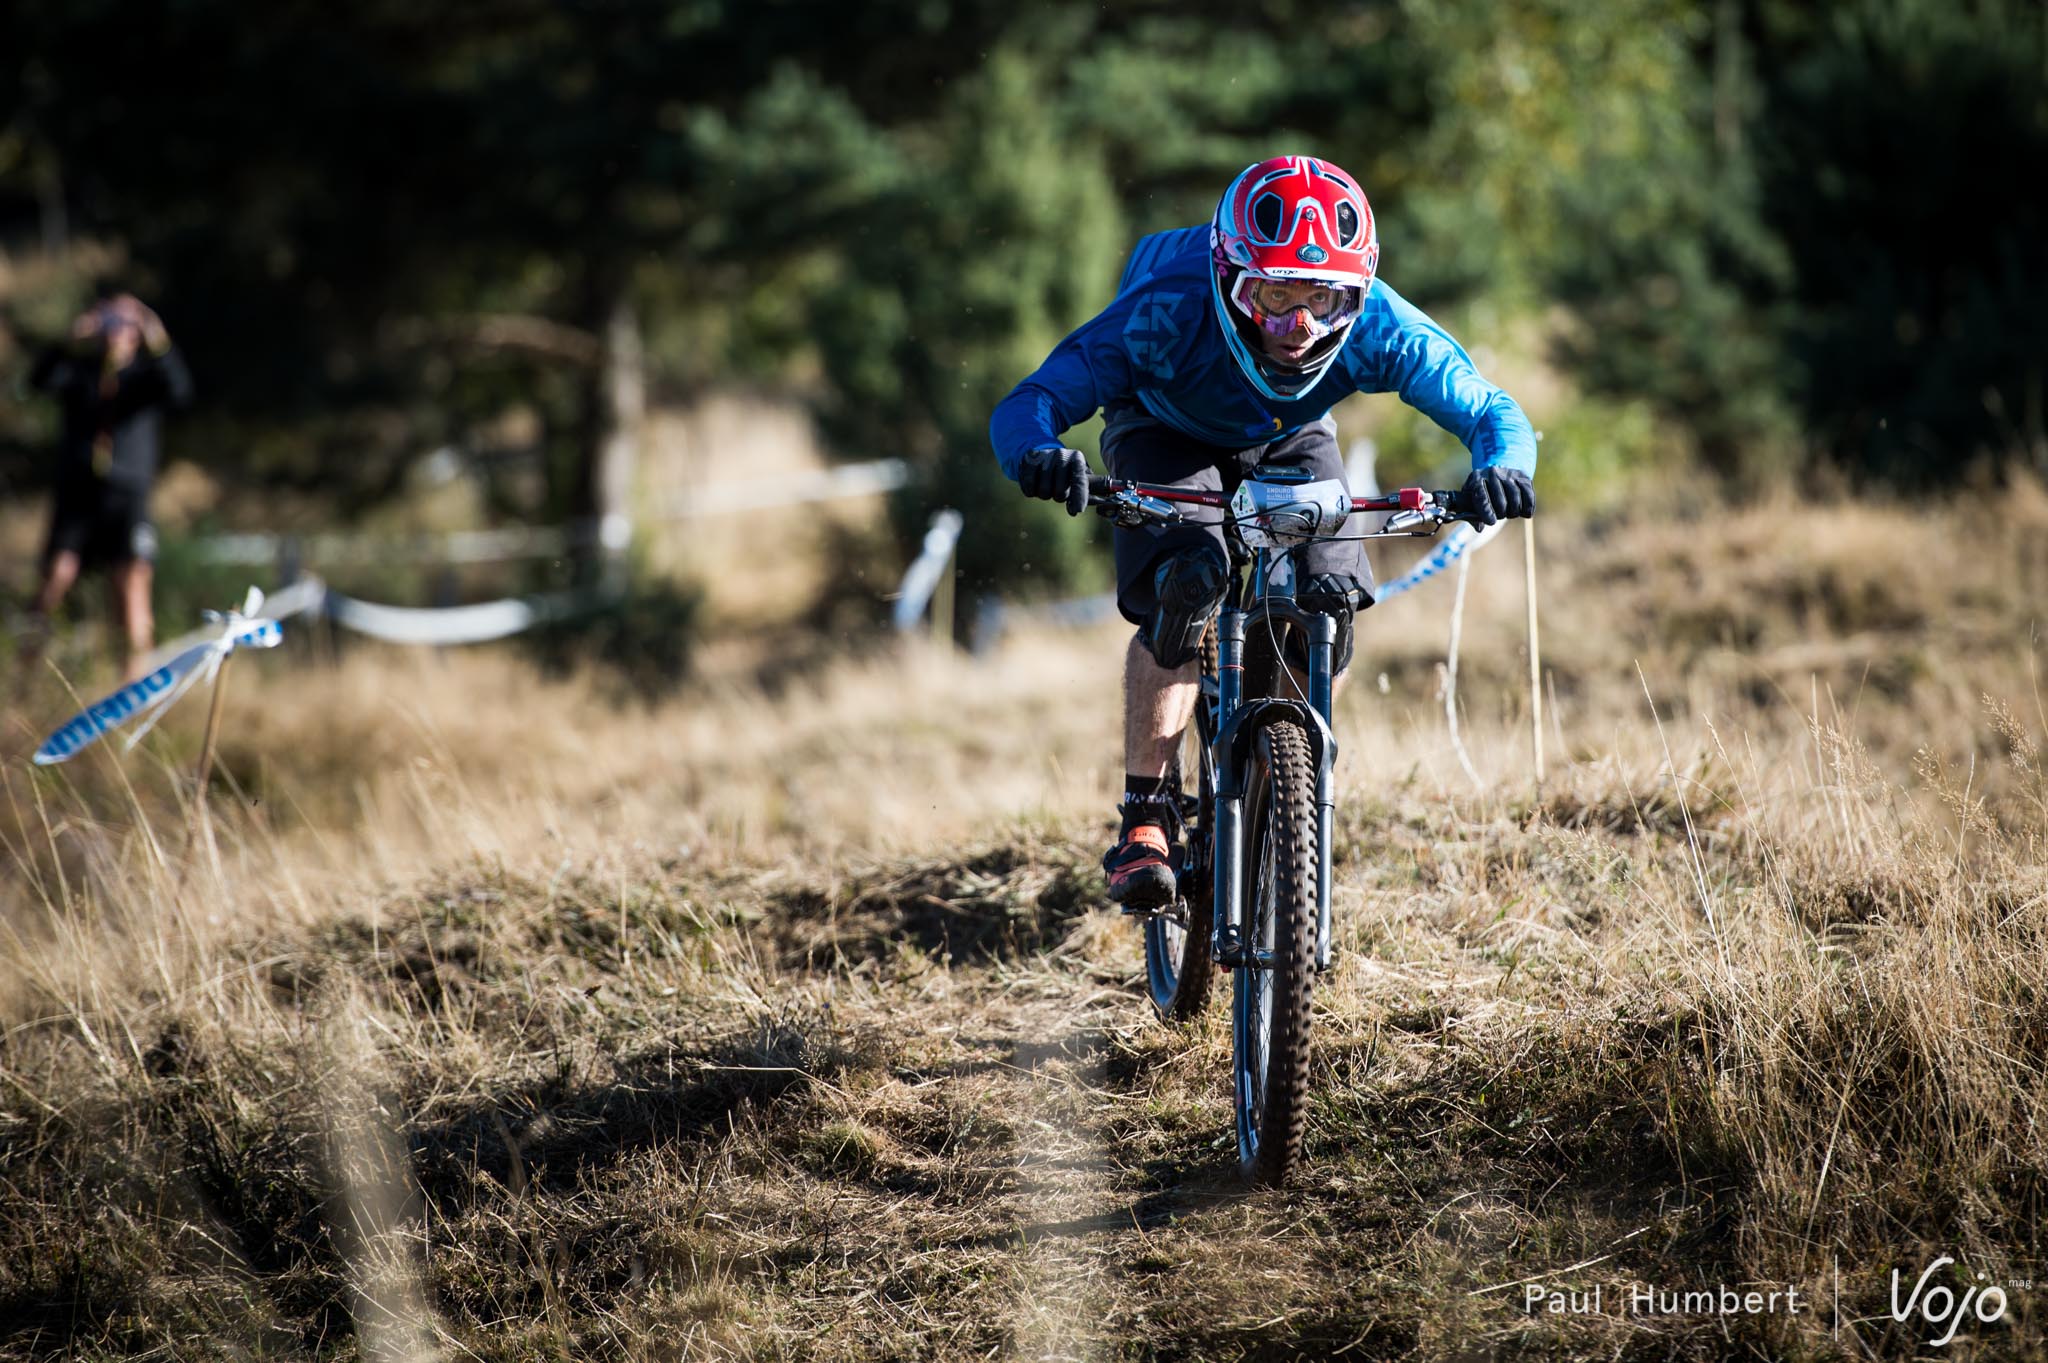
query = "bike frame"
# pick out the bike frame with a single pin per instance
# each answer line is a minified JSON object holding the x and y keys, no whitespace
{"x":1254,"y":601}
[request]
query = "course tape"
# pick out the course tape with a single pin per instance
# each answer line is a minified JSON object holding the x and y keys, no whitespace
{"x":304,"y":595}
{"x":176,"y":667}
{"x":155,"y":693}
{"x":1461,"y":540}
{"x":792,"y":489}
{"x":255,"y":548}
{"x":451,"y":625}
{"x":476,"y":624}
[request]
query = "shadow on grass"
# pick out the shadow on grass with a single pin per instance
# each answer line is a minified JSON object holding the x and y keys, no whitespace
{"x":1002,"y":904}
{"x":553,"y":1134}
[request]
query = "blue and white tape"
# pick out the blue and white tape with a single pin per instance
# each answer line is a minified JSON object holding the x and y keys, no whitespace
{"x":1461,"y":540}
{"x":307,"y":594}
{"x":437,"y":626}
{"x":155,"y":693}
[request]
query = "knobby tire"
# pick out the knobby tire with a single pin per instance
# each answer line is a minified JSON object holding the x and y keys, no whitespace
{"x":1280,"y":919}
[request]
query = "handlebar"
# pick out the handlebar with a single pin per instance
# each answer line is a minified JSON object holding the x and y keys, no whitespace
{"x":1132,"y":504}
{"x":1101,"y":487}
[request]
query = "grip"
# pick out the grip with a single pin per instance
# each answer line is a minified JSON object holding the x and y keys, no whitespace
{"x":1456,"y":502}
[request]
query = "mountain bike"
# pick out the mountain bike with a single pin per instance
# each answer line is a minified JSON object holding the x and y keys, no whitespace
{"x":1255,"y":862}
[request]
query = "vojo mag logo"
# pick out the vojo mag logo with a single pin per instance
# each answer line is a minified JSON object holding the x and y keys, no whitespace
{"x":1941,"y":1309}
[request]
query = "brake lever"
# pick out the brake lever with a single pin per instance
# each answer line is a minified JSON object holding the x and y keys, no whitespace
{"x":1132,"y":510}
{"x":1409,"y":523}
{"x":1412,"y":524}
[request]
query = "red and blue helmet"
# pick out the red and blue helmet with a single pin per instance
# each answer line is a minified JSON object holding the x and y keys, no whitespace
{"x":1293,"y":219}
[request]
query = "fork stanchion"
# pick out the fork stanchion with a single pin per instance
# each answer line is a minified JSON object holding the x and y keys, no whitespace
{"x":1321,"y":653}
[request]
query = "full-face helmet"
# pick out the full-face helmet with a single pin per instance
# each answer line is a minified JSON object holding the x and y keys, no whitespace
{"x":1295,"y":253}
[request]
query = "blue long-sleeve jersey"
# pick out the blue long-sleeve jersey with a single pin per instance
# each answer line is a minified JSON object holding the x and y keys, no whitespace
{"x":1160,"y":342}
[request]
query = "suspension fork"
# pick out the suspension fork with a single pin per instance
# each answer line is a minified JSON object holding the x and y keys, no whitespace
{"x":1226,"y":845}
{"x":1231,"y":756}
{"x":1322,"y":644}
{"x":1320,"y":631}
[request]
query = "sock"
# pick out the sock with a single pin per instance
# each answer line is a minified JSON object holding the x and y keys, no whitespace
{"x":1147,"y":799}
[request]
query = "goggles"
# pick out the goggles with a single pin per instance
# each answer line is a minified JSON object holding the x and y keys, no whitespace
{"x":1283,"y":306}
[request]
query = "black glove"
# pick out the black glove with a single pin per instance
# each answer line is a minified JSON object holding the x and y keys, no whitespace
{"x":1498,"y":494}
{"x":1056,"y":475}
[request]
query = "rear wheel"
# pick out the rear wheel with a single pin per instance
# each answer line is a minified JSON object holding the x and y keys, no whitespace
{"x":1178,"y":966}
{"x":1270,"y":1009}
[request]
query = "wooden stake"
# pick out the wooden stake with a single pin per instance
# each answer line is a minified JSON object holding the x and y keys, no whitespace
{"x":1451,"y":675}
{"x":1535,"y":665}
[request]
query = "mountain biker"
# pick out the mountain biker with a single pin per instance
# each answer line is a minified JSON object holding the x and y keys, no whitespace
{"x":1224,"y":349}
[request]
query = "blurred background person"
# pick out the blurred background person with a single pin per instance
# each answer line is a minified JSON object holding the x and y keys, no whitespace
{"x":113,"y":380}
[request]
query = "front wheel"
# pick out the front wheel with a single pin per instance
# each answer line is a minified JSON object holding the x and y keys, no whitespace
{"x":1270,"y":1010}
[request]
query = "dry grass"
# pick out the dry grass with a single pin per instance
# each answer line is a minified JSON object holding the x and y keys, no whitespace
{"x":786,"y":1023}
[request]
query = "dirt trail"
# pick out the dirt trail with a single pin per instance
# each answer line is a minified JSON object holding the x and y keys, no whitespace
{"x":1064,"y":1202}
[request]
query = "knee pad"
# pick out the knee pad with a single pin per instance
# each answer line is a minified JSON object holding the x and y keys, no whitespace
{"x":1187,"y":589}
{"x":1332,"y":595}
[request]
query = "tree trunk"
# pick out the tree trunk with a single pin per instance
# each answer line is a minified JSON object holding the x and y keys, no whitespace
{"x":56,"y":222}
{"x":1728,"y":80}
{"x":615,"y":409}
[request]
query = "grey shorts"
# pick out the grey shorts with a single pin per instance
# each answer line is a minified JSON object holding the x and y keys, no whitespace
{"x":1137,"y":446}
